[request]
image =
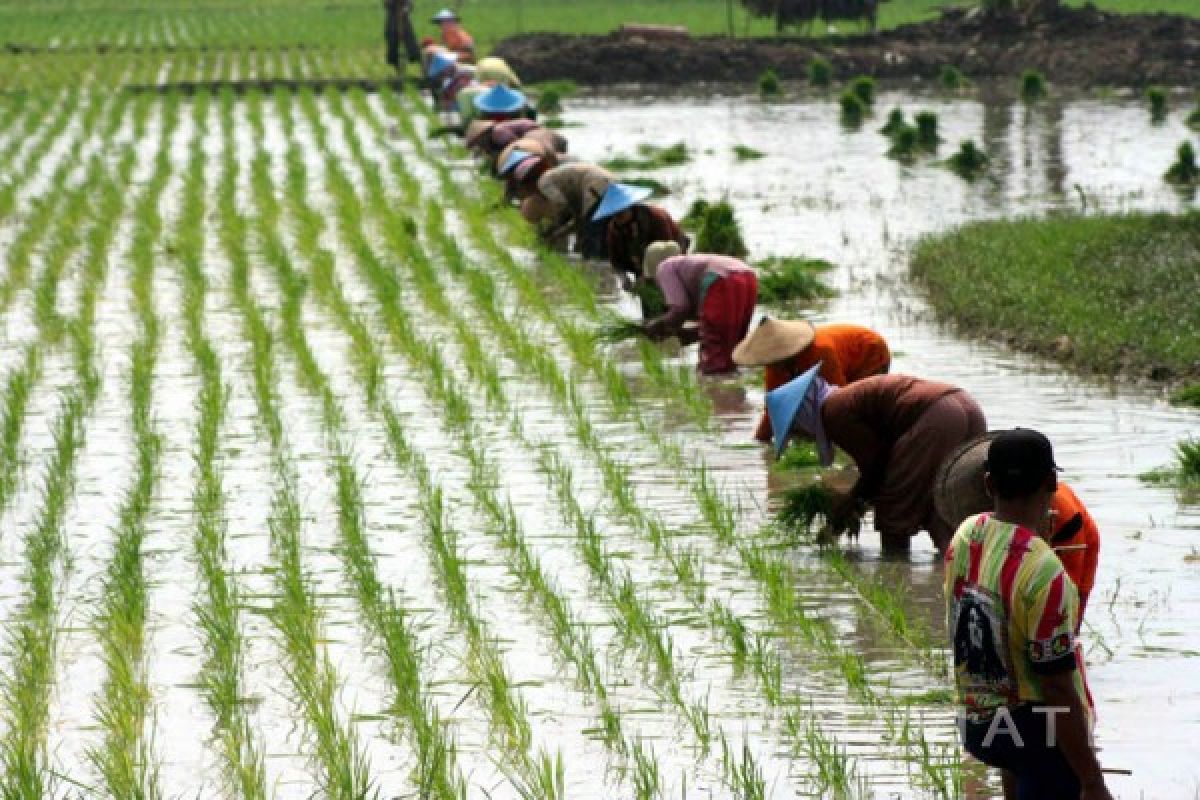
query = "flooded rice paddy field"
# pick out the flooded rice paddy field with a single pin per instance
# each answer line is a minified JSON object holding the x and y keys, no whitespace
{"x":321,"y":486}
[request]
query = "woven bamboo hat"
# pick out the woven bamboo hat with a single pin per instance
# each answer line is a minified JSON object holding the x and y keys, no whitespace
{"x":657,"y":253}
{"x":958,"y":490}
{"x":774,"y":340}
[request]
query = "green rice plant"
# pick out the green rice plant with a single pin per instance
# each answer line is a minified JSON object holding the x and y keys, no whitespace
{"x":820,"y":72}
{"x":927,"y":131}
{"x":951,"y":78}
{"x":719,"y":231}
{"x":659,"y":188}
{"x":802,"y":507}
{"x":864,"y":89}
{"x":746,"y":153}
{"x":853,"y":109}
{"x":969,"y":162}
{"x":1187,"y":396}
{"x":798,"y":455}
{"x":792,"y":280}
{"x":895,"y":122}
{"x":1184,"y":172}
{"x":746,"y":776}
{"x":904,"y":144}
{"x":1156,"y":98}
{"x":1193,"y":119}
{"x":620,"y":330}
{"x":1032,"y":86}
{"x":1188,"y":455}
{"x":769,"y":86}
{"x":647,"y":782}
{"x":549,"y":101}
{"x":650,"y":156}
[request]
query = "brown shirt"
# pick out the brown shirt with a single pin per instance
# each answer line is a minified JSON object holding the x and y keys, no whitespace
{"x":867,"y":417}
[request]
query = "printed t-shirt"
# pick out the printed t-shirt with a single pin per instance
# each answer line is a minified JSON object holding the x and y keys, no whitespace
{"x":1011,"y":611}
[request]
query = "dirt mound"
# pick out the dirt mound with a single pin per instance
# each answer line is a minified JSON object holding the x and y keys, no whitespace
{"x":1083,"y":47}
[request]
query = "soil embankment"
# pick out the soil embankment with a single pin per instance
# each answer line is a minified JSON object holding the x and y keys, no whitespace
{"x":1083,"y":47}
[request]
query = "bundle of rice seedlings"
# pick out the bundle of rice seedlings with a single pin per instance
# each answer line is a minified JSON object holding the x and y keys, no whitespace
{"x":719,"y":231}
{"x":803,"y":506}
{"x":927,"y":130}
{"x":769,"y":85}
{"x":798,"y":455}
{"x":864,"y":88}
{"x":1032,"y":85}
{"x":895,"y":122}
{"x":969,"y":161}
{"x":820,"y":72}
{"x":618,"y":330}
{"x":952,"y":78}
{"x":792,"y":279}
{"x":1156,"y":96}
{"x":904,"y":144}
{"x":853,"y":109}
{"x":1184,"y":171}
{"x":651,"y":297}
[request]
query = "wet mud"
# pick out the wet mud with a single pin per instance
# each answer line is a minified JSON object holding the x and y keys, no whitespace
{"x":1084,"y":47}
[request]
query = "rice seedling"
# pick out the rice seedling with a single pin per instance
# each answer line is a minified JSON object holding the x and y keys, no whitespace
{"x":1032,"y":86}
{"x":864,"y":89}
{"x":895,"y":122}
{"x":718,"y":231}
{"x":803,"y":506}
{"x":904,"y":144}
{"x":791,"y":280}
{"x":659,"y":188}
{"x":852,"y":109}
{"x":1184,"y":172}
{"x":549,"y":101}
{"x":951,"y":78}
{"x":1156,"y":99}
{"x":820,"y":72}
{"x":1193,"y":119}
{"x":798,"y":455}
{"x":1187,"y":396}
{"x":769,"y":86}
{"x":650,"y":156}
{"x":969,"y":162}
{"x":743,"y":152}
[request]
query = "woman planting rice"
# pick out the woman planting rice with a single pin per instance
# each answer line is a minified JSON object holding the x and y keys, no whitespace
{"x":898,"y":429}
{"x":717,"y":291}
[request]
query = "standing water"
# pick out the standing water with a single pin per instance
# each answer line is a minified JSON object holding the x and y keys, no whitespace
{"x":824,"y":192}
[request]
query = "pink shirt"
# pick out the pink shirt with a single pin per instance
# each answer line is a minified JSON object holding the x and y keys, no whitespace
{"x":681,"y":278}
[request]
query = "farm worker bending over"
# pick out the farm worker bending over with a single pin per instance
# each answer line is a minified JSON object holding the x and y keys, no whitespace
{"x":960,"y":491}
{"x":494,"y":70}
{"x":490,"y":137}
{"x":718,"y":291}
{"x":897,"y":428}
{"x":565,"y":199}
{"x":1013,"y":613}
{"x":634,"y":228}
{"x":521,"y":164}
{"x":501,"y":103}
{"x":788,"y":348}
{"x":454,"y":35}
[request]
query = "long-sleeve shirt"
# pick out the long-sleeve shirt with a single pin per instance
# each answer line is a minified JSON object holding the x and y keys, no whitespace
{"x":683,"y":279}
{"x":627,"y":242}
{"x":456,"y":38}
{"x":866,"y":418}
{"x":574,"y":188}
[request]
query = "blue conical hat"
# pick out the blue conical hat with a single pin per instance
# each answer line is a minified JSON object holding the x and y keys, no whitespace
{"x":439,"y":63}
{"x":618,"y":197}
{"x":500,"y":100}
{"x":514,"y":158}
{"x":784,"y":402}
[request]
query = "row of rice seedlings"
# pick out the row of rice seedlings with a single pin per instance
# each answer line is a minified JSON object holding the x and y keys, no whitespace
{"x":36,"y":125}
{"x":722,"y":518}
{"x":124,"y":758}
{"x":508,"y":714}
{"x":32,"y":637}
{"x":217,"y":612}
{"x":345,"y":772}
{"x":634,"y":620}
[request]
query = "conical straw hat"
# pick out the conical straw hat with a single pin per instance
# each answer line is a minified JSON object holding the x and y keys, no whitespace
{"x":476,"y":130}
{"x":774,"y":340}
{"x":958,"y":490}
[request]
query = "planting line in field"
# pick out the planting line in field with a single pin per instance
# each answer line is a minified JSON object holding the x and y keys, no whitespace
{"x":344,"y":771}
{"x":508,"y":712}
{"x":36,"y":115}
{"x":723,"y":520}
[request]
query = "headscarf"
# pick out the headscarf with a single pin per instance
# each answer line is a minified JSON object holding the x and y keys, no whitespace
{"x":808,"y":417}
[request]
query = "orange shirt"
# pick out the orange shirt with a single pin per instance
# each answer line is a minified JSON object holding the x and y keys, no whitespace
{"x":1082,"y":559}
{"x":847,"y":353}
{"x":456,"y":38}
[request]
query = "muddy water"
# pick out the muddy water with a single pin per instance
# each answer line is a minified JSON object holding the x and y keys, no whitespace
{"x":824,"y":192}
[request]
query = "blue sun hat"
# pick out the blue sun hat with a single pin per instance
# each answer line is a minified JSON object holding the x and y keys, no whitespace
{"x":500,"y":100}
{"x":445,"y":15}
{"x":618,"y":197}
{"x":440,"y":62}
{"x":514,"y":158}
{"x":783,"y":404}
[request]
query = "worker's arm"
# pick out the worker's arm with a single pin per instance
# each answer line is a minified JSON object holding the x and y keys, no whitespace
{"x":1071,"y":733}
{"x":669,"y":324}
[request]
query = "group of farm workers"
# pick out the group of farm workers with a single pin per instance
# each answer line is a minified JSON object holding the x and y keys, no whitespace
{"x":1020,"y":548}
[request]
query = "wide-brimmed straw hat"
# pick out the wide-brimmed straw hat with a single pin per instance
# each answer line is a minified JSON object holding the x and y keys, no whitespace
{"x":773,"y":340}
{"x":958,"y":488}
{"x":618,"y":197}
{"x":657,"y":253}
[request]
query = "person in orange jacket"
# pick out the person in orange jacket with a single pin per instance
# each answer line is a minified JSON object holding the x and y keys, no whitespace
{"x":789,"y":348}
{"x":454,"y":36}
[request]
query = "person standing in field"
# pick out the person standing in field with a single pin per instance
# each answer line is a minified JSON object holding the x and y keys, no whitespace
{"x":1013,"y":613}
{"x":397,"y":27}
{"x":897,"y":428}
{"x":454,"y":36}
{"x":788,"y":348}
{"x":718,"y":292}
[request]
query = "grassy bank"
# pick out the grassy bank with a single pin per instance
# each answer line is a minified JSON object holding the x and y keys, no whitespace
{"x":1121,"y":289}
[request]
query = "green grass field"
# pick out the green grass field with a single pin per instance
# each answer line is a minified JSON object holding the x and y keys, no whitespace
{"x":1123,"y":288}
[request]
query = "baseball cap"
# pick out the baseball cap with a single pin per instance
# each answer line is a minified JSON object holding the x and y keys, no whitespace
{"x":1019,"y":460}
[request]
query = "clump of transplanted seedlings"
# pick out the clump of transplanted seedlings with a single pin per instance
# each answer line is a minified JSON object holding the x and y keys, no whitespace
{"x":769,"y":86}
{"x":852,"y":109}
{"x":928,"y":138}
{"x":1184,"y":473}
{"x":1193,"y":119}
{"x":659,"y":188}
{"x":1156,"y":99}
{"x":549,"y":101}
{"x":969,"y":162}
{"x":895,"y":121}
{"x":744,"y":152}
{"x":802,"y":507}
{"x":717,"y":228}
{"x":792,"y":279}
{"x":904,"y":144}
{"x":1032,"y":86}
{"x":798,"y":455}
{"x":1184,"y":172}
{"x":820,"y":72}
{"x":864,"y":88}
{"x":951,"y":78}
{"x":650,"y":156}
{"x":1187,"y":396}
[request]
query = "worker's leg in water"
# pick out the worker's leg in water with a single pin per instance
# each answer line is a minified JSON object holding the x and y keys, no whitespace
{"x":725,"y":319}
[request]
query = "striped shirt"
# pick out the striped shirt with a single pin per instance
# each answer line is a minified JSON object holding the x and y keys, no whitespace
{"x":1012,"y":615}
